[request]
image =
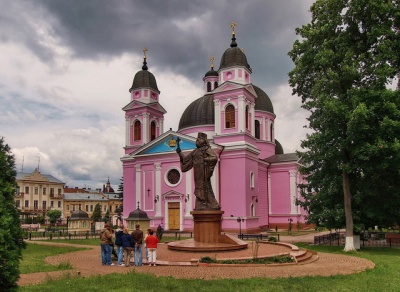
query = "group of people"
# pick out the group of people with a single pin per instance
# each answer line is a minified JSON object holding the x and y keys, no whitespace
{"x":126,"y":244}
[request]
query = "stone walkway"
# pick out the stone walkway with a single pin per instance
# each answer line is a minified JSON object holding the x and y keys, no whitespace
{"x":88,"y":263}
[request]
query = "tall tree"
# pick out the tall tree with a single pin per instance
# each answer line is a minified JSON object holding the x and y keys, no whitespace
{"x":11,"y":237}
{"x":121,"y":187}
{"x":96,"y":215}
{"x":53,"y":216}
{"x":349,"y":46}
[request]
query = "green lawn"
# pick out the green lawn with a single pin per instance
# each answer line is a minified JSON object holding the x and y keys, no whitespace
{"x":385,"y":277}
{"x":34,"y":254}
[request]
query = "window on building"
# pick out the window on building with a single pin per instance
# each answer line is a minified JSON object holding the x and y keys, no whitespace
{"x":230,"y":117}
{"x":44,"y":204}
{"x":208,"y":86}
{"x":80,"y":206}
{"x":59,"y":191}
{"x":252,"y":180}
{"x":67,"y":207}
{"x":252,"y":210}
{"x":152,"y":131}
{"x":35,"y":204}
{"x":26,"y":190}
{"x":17,"y":203}
{"x":247,"y":117}
{"x":257,"y":129}
{"x":59,"y":204}
{"x":44,"y":191}
{"x":36,"y":190}
{"x":52,"y":204}
{"x":87,"y":208}
{"x":73,"y":208}
{"x":105,"y":208}
{"x":91,"y":208}
{"x":272,"y":132}
{"x":215,"y":84}
{"x":52,"y":191}
{"x":110,"y":209}
{"x":137,"y":131}
{"x":26,"y":203}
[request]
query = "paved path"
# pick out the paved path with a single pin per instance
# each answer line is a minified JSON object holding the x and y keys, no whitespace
{"x":88,"y":263}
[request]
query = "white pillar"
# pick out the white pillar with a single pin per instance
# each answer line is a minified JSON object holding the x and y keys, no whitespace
{"x":217,"y":114}
{"x":241,"y":114}
{"x":138,"y":185}
{"x":158,"y":189}
{"x":145,"y":129}
{"x":252,"y":120}
{"x":161,"y":126}
{"x":293,"y":191}
{"x":127,"y":131}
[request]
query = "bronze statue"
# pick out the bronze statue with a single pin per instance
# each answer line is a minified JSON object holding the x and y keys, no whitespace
{"x":203,"y":160}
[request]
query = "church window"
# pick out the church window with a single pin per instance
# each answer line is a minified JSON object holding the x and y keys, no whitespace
{"x":252,"y":210}
{"x":271,"y":132}
{"x":137,"y":133}
{"x":247,"y":117}
{"x":152,"y":131}
{"x":173,"y":176}
{"x":209,"y":86}
{"x":257,"y":129}
{"x":215,"y":84}
{"x":230,"y":116}
{"x":252,"y":180}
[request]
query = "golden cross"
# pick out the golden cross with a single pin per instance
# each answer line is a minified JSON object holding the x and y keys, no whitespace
{"x":212,"y":61}
{"x":144,"y":52}
{"x":233,"y":24}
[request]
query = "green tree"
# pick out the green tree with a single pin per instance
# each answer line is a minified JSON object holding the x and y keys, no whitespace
{"x":347,"y":55}
{"x":121,"y":187}
{"x":106,"y":217}
{"x":53,"y":216}
{"x":96,"y":216}
{"x":11,"y":237}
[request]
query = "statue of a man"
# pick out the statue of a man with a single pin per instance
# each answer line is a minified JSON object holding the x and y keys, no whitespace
{"x":203,"y":160}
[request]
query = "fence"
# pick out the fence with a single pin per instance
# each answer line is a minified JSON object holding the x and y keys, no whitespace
{"x":371,"y":239}
{"x":60,"y":234}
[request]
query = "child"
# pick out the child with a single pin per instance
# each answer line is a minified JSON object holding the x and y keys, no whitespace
{"x":151,"y":243}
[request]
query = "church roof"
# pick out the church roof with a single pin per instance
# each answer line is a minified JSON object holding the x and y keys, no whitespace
{"x":138,"y":215}
{"x":278,"y":147}
{"x":199,"y":112}
{"x":279,"y":158}
{"x":263,"y":102}
{"x":79,"y":215}
{"x":144,"y":78}
{"x":212,"y":72}
{"x":233,"y":56}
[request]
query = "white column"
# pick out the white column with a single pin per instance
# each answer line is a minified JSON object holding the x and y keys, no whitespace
{"x":217,"y":111}
{"x":293,"y":191}
{"x":189,"y":191}
{"x":241,"y":114}
{"x":158,"y":188}
{"x":127,"y":131}
{"x":267,"y":130}
{"x":138,"y":185}
{"x":269,"y":194}
{"x":146,"y":127}
{"x":161,"y":126}
{"x":252,"y":120}
{"x":263,"y":135}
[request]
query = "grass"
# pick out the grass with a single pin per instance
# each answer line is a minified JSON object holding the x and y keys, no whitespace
{"x":34,"y":254}
{"x":384,"y":277}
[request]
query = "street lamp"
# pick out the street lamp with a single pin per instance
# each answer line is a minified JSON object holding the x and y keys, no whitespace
{"x":290,"y":220}
{"x":240,"y":220}
{"x":67,"y":223}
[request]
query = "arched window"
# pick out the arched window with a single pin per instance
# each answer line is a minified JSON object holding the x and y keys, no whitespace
{"x":152,"y":131}
{"x":252,"y":210}
{"x":230,"y":116}
{"x":137,"y":131}
{"x":247,"y":117}
{"x":271,"y":129}
{"x":257,"y":129}
{"x":215,"y":84}
{"x":252,"y":180}
{"x":208,"y":86}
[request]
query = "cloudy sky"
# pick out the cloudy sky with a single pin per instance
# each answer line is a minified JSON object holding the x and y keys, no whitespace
{"x":66,"y":67}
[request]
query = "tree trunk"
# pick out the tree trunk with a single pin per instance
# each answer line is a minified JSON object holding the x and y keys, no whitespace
{"x":349,"y":246}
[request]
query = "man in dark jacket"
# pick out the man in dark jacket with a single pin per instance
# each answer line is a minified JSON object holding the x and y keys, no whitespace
{"x":137,"y":236}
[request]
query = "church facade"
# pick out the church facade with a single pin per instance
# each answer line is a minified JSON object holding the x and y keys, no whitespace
{"x":254,"y":182}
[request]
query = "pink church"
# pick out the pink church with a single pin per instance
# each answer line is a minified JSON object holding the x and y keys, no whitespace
{"x":254,"y":181}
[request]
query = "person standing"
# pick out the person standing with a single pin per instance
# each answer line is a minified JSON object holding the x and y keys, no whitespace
{"x":145,"y":245}
{"x":105,"y":240}
{"x":137,"y":236}
{"x":151,"y":242}
{"x":118,"y":243}
{"x":127,"y":245}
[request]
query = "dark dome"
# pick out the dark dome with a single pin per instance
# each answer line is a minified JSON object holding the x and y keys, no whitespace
{"x":212,"y":72}
{"x":199,"y":112}
{"x":79,"y":215}
{"x":144,"y":78}
{"x":278,"y":147}
{"x":263,"y":103}
{"x":233,"y":57}
{"x":138,"y":215}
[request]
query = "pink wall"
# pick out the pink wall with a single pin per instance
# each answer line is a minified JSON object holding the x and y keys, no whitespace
{"x":280,"y":190}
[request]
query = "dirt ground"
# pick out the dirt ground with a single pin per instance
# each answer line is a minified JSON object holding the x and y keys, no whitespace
{"x":177,"y":264}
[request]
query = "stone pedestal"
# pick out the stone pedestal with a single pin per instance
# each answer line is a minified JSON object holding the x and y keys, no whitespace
{"x":207,"y":226}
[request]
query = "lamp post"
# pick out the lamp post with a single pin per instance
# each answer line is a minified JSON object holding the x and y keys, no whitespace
{"x":67,"y":223}
{"x":290,"y":220}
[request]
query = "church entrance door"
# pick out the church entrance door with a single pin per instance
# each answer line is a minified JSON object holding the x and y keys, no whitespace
{"x":173,"y":216}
